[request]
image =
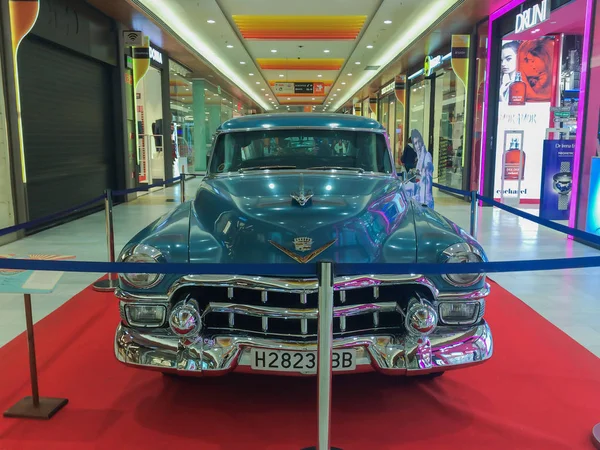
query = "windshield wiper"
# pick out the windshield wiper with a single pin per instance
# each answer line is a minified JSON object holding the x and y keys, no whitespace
{"x":353,"y":169}
{"x":245,"y":169}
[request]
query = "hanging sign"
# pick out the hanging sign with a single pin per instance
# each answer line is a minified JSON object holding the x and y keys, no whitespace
{"x":304,"y":88}
{"x":283,"y":88}
{"x":387,"y":88}
{"x":431,"y":63}
{"x":532,"y":17}
{"x":133,"y":38}
{"x":156,"y":55}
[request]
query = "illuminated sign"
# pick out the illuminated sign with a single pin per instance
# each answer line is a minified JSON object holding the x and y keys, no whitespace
{"x":532,"y":17}
{"x":430,"y":64}
{"x":156,"y":56}
{"x":388,"y":88}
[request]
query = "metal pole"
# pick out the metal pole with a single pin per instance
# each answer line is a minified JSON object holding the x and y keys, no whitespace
{"x":109,"y":284}
{"x":325,"y":352}
{"x":35,"y":394}
{"x":182,"y":186}
{"x":473,"y":229}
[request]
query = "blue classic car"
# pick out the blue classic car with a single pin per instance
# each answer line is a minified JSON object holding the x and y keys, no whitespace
{"x":296,"y":188}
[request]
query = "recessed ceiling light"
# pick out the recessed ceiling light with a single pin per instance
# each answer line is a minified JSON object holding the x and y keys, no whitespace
{"x":273,"y":51}
{"x":387,"y":22}
{"x":339,"y":89}
{"x":210,"y":21}
{"x":335,"y":95}
{"x":230,"y":46}
{"x":319,"y":75}
{"x":242,"y":62}
{"x":266,"y":95}
{"x":281,"y":75}
{"x":289,"y":98}
{"x":258,"y":82}
{"x":343,"y":82}
{"x":349,"y":74}
{"x":357,"y":63}
{"x":205,"y":89}
{"x":369,"y":46}
{"x":251,"y":74}
{"x":262,"y":89}
{"x":325,"y":51}
{"x":313,"y":98}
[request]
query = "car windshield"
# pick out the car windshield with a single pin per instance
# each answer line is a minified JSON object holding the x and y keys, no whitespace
{"x":301,"y":149}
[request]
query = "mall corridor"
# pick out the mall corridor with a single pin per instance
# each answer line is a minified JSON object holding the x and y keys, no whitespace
{"x":279,"y":225}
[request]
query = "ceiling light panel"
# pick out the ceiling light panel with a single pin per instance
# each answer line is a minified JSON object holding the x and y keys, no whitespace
{"x":207,"y":40}
{"x":409,"y":21}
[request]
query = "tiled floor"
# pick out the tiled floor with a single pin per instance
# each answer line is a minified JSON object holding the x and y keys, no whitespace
{"x":567,"y":298}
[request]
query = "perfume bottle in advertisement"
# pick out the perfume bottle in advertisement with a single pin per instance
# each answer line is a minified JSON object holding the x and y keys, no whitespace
{"x":514,"y":161}
{"x":516,"y":91}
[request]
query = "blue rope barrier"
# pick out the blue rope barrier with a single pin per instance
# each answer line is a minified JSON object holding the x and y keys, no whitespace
{"x":451,"y":189}
{"x":292,"y":269}
{"x":49,"y":218}
{"x":145,"y":188}
{"x":592,"y":238}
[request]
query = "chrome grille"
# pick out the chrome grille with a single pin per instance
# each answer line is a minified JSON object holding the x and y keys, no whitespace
{"x":295,"y":314}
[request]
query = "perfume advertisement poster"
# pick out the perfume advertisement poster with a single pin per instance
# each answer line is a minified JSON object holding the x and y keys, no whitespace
{"x":557,"y":179}
{"x":527,"y":84}
{"x":519,"y":150}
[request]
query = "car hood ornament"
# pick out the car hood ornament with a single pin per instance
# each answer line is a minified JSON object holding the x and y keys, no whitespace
{"x":302,"y":197}
{"x":303,"y":245}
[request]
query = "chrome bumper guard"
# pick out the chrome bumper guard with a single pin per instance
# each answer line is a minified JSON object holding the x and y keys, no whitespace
{"x":448,"y":348}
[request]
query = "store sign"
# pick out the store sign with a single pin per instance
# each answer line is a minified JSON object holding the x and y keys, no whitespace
{"x":388,"y":88}
{"x":304,"y":88}
{"x":299,"y":88}
{"x":283,"y":88}
{"x":156,"y":56}
{"x":430,"y":64}
{"x":532,"y":17}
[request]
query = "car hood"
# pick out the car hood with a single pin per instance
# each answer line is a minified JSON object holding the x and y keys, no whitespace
{"x":253,"y":218}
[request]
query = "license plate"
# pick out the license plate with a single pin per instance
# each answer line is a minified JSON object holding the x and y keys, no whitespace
{"x":303,"y":362}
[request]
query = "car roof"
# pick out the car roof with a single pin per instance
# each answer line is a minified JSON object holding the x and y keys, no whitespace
{"x":308,"y":120}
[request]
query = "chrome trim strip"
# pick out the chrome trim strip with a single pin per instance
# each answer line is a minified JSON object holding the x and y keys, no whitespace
{"x":291,"y":313}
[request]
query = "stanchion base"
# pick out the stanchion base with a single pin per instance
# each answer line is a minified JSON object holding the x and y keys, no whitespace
{"x":105,"y":285}
{"x":25,"y":409}
{"x":596,"y":436}
{"x":315,"y":448}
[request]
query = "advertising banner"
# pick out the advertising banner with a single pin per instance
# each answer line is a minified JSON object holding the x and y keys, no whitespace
{"x":557,"y":179}
{"x":527,"y":86}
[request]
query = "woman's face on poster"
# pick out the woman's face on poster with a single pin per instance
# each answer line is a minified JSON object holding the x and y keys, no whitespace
{"x":509,"y":61}
{"x":535,"y":69}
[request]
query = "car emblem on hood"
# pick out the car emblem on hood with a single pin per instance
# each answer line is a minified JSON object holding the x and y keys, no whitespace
{"x":302,"y":197}
{"x":302,"y":248}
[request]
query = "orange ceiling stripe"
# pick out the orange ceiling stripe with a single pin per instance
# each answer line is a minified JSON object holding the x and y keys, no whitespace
{"x":300,"y":64}
{"x":300,"y":27}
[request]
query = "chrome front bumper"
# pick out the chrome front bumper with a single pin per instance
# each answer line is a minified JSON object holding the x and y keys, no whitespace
{"x":448,"y":348}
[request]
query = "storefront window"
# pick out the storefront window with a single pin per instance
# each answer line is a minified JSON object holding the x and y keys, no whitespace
{"x":182,"y":119}
{"x":537,"y":94}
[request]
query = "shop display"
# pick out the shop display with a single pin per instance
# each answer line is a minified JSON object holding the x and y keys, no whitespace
{"x":557,"y":179}
{"x":304,"y":188}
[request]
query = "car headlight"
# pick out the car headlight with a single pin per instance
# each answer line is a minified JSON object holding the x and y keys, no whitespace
{"x":142,"y":254}
{"x":459,"y":313}
{"x":462,"y":253}
{"x":139,"y":315}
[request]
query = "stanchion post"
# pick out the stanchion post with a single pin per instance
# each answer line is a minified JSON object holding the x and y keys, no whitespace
{"x":473,"y":229}
{"x":111,"y":283}
{"x":34,"y":407}
{"x":182,"y":183}
{"x":324,"y":354}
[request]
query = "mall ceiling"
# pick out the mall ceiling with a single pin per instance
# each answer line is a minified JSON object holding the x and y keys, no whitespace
{"x":339,"y":48}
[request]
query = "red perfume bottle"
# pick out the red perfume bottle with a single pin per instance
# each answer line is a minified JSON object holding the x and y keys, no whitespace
{"x":514,"y":161}
{"x":516,"y":91}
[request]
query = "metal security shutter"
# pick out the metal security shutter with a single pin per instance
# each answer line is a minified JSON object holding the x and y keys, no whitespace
{"x":68,"y":126}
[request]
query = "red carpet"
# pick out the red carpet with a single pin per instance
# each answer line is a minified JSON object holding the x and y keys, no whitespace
{"x":541,"y":390}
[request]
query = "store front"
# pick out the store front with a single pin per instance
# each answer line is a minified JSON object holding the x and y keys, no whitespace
{"x":437,"y":111}
{"x":182,"y":119}
{"x":536,"y":96}
{"x":391,"y":111}
{"x":69,"y":95}
{"x":153,"y":127}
